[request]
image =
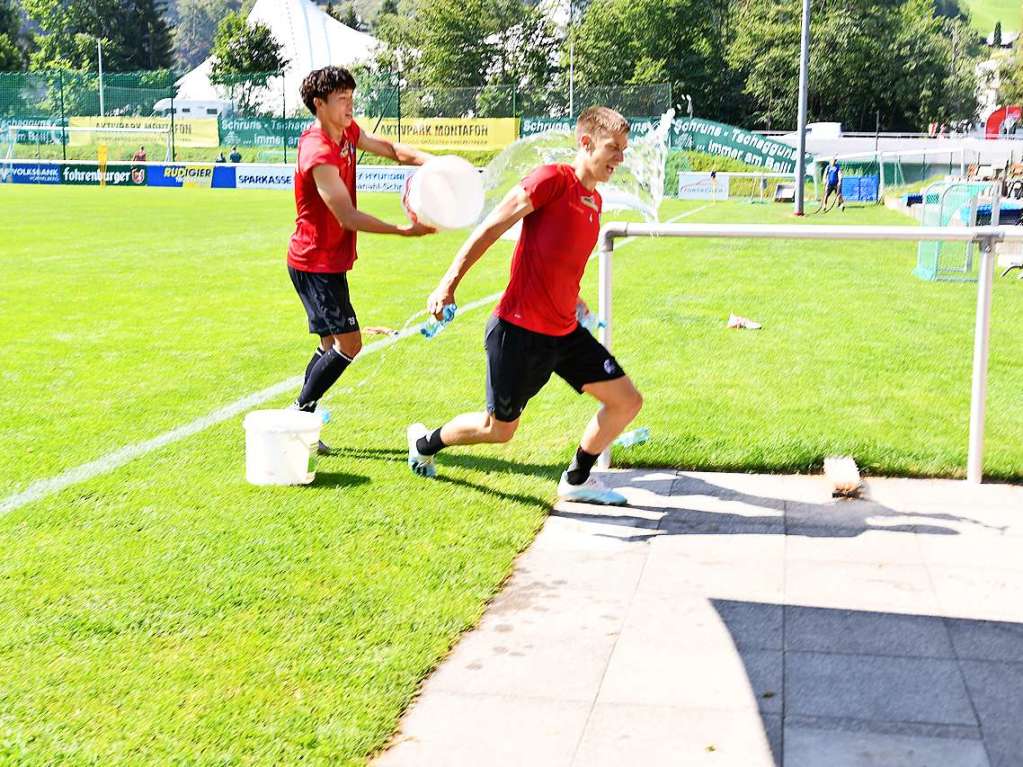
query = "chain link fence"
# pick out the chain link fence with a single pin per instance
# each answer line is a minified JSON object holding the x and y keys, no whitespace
{"x":69,"y":115}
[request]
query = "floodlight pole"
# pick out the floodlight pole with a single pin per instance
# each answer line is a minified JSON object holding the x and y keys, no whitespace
{"x":571,"y":59}
{"x":99,"y":56}
{"x":804,"y":65}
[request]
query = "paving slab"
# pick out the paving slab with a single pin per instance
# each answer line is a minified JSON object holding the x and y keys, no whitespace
{"x":996,"y":688}
{"x":731,"y":619}
{"x":978,"y":592}
{"x":871,"y":687}
{"x":861,"y":632}
{"x":814,"y":748}
{"x":533,"y":731}
{"x":618,"y":735}
{"x":1004,"y":745}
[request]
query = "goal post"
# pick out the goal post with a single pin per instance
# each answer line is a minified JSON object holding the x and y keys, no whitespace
{"x":60,"y":142}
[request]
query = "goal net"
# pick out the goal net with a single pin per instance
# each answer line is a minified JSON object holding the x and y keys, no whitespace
{"x":57,"y":142}
{"x":742,"y":186}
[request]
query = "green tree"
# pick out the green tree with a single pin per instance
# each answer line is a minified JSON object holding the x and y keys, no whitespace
{"x":11,"y":57}
{"x":12,"y":50}
{"x":197,"y":24}
{"x":454,"y":37}
{"x":525,"y":56}
{"x":996,"y":36}
{"x":245,"y":58}
{"x":620,"y":41}
{"x":489,"y":49}
{"x":134,"y":33}
{"x":346,"y":14}
{"x":901,"y":60}
{"x":398,"y":30}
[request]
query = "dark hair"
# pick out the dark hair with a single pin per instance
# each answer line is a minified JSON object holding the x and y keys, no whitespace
{"x":320,"y":83}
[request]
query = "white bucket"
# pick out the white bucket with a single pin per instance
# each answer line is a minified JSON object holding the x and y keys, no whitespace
{"x":280,"y":447}
{"x":445,"y":193}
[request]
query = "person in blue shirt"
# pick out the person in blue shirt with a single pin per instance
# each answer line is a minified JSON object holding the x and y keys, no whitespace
{"x":833,"y":183}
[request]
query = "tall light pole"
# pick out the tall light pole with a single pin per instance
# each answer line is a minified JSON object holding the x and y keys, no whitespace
{"x":571,"y":59}
{"x":99,"y":56}
{"x":804,"y":65}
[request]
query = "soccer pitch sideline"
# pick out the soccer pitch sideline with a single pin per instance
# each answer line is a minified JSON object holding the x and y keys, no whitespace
{"x":167,"y":612}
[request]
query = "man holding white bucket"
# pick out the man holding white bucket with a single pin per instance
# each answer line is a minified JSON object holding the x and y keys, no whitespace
{"x":534,"y":331}
{"x":322,"y":249}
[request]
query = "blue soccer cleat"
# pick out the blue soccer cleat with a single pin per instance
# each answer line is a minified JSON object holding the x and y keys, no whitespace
{"x":590,"y":491}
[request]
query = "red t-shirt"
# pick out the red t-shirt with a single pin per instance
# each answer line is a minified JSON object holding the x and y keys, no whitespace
{"x":319,"y":243}
{"x":550,"y":257}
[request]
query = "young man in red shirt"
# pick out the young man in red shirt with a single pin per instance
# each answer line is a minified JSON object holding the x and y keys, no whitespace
{"x":322,"y":249}
{"x":534,"y":331}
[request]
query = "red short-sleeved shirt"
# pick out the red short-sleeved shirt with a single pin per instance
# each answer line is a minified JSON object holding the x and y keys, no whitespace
{"x":319,"y":243}
{"x":550,"y":257}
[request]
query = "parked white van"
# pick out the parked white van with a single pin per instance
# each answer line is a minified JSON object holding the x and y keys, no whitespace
{"x":191,"y":108}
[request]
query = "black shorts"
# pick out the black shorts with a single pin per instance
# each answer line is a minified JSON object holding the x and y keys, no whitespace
{"x":832,"y":188}
{"x":325,"y":298}
{"x":520,"y":362}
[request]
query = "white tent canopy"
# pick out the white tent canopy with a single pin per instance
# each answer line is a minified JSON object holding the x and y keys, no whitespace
{"x":311,"y":39}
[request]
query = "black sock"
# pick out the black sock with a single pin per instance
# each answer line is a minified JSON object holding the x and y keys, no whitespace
{"x":324,"y":373}
{"x":312,"y":363}
{"x":431,"y":444}
{"x":579,"y":470}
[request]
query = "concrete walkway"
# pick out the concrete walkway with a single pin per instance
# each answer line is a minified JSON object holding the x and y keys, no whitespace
{"x":729,"y":619}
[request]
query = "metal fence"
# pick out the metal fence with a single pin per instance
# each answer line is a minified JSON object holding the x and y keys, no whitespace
{"x":256,"y":113}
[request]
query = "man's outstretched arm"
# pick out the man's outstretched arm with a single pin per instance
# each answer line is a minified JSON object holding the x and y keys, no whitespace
{"x":335,"y":195}
{"x":515,"y":206}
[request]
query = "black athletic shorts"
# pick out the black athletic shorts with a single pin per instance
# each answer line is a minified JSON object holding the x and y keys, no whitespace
{"x":325,"y":298}
{"x":832,"y":188}
{"x":520,"y":362}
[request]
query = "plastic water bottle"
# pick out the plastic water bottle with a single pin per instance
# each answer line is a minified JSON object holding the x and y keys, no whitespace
{"x":587,"y":318}
{"x":634,"y":437}
{"x":433,"y":326}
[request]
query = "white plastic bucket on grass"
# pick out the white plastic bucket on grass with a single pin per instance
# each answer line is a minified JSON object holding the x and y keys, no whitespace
{"x":280,"y":447}
{"x":445,"y":193}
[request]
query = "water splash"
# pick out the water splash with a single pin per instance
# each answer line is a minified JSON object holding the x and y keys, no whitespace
{"x":637,"y":184}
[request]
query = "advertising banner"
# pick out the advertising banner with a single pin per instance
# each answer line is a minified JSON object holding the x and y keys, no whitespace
{"x":19,"y":172}
{"x":198,"y":176}
{"x":433,"y":133}
{"x":698,"y":135}
{"x":424,"y":132}
{"x":702,"y":186}
{"x":368,"y":178}
{"x":44,"y":130}
{"x":695,"y":134}
{"x":382,"y":178}
{"x":264,"y":176}
{"x":197,"y":132}
{"x":116,"y":174}
{"x":638,"y":126}
{"x":263,"y":131}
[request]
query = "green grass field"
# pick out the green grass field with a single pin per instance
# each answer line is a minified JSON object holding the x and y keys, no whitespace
{"x":168,"y":612}
{"x":984,"y":14}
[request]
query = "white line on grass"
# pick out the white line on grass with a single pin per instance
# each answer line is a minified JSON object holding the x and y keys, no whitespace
{"x":110,"y":461}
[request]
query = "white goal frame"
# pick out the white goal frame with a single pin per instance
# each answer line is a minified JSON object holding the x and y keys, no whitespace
{"x":986,"y":236}
{"x":62,"y":132}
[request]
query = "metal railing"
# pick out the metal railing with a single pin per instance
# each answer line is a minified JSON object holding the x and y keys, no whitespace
{"x":985,"y":236}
